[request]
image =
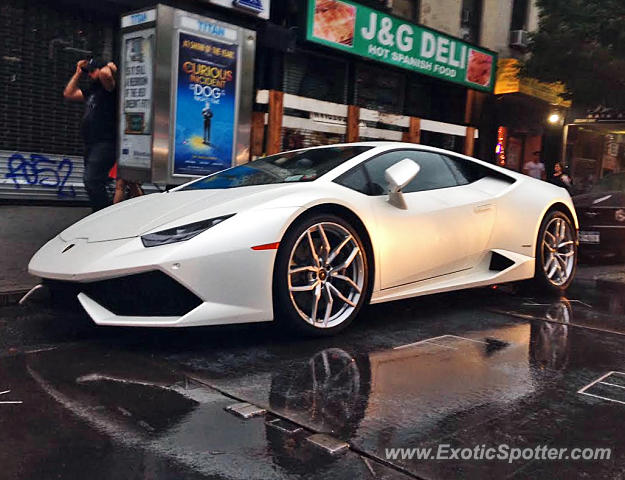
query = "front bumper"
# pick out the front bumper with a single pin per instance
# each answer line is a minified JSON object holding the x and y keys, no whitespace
{"x":151,"y":294}
{"x":122,"y":283}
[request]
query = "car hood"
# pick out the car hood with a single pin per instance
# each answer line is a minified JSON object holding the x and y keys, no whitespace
{"x":600,"y":199}
{"x":140,"y":215}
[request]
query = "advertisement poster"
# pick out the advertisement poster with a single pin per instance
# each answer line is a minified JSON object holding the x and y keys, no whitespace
{"x":354,"y":28}
{"x":205,"y":105}
{"x":136,"y":91}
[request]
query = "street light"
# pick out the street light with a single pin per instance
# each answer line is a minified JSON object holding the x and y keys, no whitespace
{"x":554,"y":118}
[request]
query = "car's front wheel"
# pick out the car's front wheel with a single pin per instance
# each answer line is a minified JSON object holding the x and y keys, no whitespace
{"x":321,"y":279}
{"x":556,"y":252}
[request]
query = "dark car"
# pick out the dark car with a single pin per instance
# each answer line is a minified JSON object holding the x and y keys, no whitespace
{"x":601,"y":214}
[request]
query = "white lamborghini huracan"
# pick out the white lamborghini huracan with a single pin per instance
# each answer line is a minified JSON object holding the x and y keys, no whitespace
{"x":309,"y":236}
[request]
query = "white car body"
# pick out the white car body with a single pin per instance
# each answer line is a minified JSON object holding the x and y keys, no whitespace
{"x":443,"y":241}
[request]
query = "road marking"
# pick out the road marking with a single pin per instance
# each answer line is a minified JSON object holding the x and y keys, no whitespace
{"x":432,"y":342}
{"x":9,"y":402}
{"x":532,"y":303}
{"x":612,"y":385}
{"x":583,"y":390}
{"x":439,"y":345}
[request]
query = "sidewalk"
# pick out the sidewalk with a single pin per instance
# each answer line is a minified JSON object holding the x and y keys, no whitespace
{"x":610,"y":276}
{"x":23,"y":229}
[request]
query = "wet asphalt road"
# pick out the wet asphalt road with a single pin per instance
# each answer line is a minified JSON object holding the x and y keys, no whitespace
{"x":480,"y":367}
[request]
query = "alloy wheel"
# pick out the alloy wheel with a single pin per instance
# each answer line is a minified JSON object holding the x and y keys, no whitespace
{"x":326,"y":274}
{"x":558,"y":251}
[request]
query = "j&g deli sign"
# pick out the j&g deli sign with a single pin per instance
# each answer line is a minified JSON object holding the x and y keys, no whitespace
{"x":363,"y":31}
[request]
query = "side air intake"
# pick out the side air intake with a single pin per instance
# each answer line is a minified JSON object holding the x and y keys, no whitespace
{"x":498,"y":262}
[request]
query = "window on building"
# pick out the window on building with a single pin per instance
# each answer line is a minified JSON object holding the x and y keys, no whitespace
{"x":519,"y":15}
{"x":435,"y":100}
{"x":470,"y":20}
{"x":379,"y":89}
{"x":408,"y":9}
{"x":316,"y":76}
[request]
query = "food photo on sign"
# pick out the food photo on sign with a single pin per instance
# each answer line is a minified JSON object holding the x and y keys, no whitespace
{"x":480,"y":68}
{"x":335,"y":21}
{"x":205,"y":105}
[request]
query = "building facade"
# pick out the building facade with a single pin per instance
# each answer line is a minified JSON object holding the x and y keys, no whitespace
{"x":40,"y":142}
{"x":325,"y":71}
{"x":379,"y":69}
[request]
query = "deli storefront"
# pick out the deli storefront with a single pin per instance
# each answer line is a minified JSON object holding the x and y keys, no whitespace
{"x":400,"y":80}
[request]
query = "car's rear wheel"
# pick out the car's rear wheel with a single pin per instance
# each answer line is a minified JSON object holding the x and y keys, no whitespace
{"x":556,"y":252}
{"x":321,"y":279}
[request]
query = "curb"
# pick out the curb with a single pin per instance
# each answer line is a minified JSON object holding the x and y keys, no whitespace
{"x":12,"y":297}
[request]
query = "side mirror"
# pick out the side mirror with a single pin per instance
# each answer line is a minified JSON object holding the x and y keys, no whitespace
{"x":398,"y":176}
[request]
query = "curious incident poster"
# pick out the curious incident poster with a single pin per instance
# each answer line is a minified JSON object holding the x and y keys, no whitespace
{"x":205,"y":105}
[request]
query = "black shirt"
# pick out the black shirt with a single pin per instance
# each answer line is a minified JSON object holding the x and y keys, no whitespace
{"x":98,"y":122}
{"x":557,"y":180}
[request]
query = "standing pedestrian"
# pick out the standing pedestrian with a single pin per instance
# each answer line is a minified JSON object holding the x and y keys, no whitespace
{"x":535,"y":168}
{"x":98,"y":125}
{"x":560,"y":178}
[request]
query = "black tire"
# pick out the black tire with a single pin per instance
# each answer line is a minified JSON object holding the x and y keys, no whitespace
{"x":284,"y":303}
{"x":541,"y":278}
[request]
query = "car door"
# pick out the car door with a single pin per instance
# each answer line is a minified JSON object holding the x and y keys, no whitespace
{"x":444,"y":226}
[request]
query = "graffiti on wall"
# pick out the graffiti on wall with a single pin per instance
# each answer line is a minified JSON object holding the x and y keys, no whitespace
{"x":36,"y":169}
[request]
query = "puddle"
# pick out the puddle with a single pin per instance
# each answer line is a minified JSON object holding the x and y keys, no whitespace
{"x":516,"y":385}
{"x":104,"y":414}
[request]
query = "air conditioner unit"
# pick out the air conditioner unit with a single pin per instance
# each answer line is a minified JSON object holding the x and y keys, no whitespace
{"x":519,"y":39}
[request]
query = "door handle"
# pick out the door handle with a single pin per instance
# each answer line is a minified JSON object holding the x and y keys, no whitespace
{"x":483,"y":208}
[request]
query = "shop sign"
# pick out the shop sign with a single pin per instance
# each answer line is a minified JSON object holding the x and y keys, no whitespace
{"x":354,"y":28}
{"x":206,"y":26}
{"x":205,"y":105}
{"x":602,"y":114}
{"x":508,"y":81}
{"x":139,"y":18}
{"x":259,"y":8}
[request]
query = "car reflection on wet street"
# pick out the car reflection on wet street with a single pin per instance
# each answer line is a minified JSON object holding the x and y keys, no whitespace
{"x":469,"y":369}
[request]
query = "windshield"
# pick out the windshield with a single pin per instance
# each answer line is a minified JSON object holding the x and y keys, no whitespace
{"x":297,"y":166}
{"x":611,"y":183}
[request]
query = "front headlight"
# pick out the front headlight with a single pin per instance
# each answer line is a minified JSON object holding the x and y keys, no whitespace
{"x":182,"y":233}
{"x":619,"y":215}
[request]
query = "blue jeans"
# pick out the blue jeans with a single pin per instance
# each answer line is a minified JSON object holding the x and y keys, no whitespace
{"x":99,"y":159}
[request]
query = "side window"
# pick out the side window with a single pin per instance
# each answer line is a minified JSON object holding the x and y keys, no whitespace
{"x":356,"y":179}
{"x":435,"y":172}
{"x":466,"y":171}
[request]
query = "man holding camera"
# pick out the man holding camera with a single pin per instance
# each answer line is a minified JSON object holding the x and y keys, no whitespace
{"x":98,"y":125}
